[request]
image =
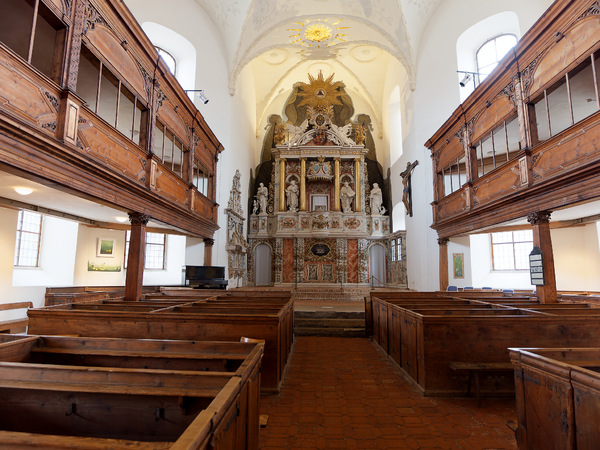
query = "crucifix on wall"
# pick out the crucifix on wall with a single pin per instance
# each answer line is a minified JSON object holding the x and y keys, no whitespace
{"x":406,"y":182}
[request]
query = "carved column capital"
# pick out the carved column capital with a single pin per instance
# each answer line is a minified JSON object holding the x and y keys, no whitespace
{"x":138,"y":219}
{"x":209,"y":242}
{"x":443,"y":241}
{"x":539,"y":217}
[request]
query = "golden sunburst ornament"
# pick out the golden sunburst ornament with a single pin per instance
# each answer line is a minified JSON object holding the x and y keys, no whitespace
{"x":320,"y":93}
{"x":318,"y":33}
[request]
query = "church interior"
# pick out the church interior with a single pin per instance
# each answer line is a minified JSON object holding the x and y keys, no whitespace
{"x":300,"y":224}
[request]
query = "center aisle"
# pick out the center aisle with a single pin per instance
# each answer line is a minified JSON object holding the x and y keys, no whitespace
{"x":343,"y":393}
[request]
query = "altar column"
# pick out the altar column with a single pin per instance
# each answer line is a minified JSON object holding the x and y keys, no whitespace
{"x":336,"y":187}
{"x":282,"y":184}
{"x":302,"y":184}
{"x":357,"y":205}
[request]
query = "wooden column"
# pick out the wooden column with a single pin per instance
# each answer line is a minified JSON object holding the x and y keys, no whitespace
{"x":282,"y":184}
{"x":540,"y":222}
{"x":135,"y":260}
{"x":336,"y":186}
{"x":302,"y":184}
{"x":208,"y":246}
{"x":443,"y":243}
{"x":357,"y":202}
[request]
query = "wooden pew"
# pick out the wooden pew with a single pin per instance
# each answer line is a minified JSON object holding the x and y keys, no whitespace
{"x":558,"y":397}
{"x":427,"y":338}
{"x":202,"y":321}
{"x":88,"y":402}
{"x":14,"y":325}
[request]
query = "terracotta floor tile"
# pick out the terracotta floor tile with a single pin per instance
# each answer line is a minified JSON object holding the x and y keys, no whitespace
{"x":343,"y":393}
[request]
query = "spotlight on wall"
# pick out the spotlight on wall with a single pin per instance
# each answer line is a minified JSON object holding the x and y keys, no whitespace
{"x":465,"y":80}
{"x":200,"y":95}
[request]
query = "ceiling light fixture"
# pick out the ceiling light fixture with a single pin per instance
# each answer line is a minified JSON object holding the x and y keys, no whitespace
{"x":23,"y":190}
{"x":121,"y":219}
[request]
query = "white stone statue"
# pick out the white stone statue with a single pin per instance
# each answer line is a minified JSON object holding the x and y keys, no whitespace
{"x":291,"y":194}
{"x":255,"y":207}
{"x":262,"y":194}
{"x":376,"y":200}
{"x":347,"y":196}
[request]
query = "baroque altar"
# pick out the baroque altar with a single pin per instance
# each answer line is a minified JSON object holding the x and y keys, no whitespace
{"x":318,"y":203}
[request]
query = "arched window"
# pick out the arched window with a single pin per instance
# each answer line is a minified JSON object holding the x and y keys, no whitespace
{"x":481,"y":46}
{"x":491,"y":52}
{"x":168,"y":59}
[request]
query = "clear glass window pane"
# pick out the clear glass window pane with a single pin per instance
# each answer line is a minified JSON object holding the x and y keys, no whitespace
{"x":178,"y":158}
{"x":558,"y":105}
{"x":490,"y":53}
{"x":137,"y":125}
{"x":514,"y":135}
{"x":27,"y":246}
{"x":87,"y":78}
{"x":583,"y":94}
{"x":16,"y":18}
{"x":168,"y":152}
{"x":45,"y":42}
{"x":109,"y":91}
{"x":159,"y":135}
{"x":168,"y":59}
{"x":126,"y":108}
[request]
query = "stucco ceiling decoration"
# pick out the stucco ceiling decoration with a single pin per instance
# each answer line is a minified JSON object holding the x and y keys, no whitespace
{"x":364,"y":53}
{"x":275,"y":56}
{"x":318,"y":33}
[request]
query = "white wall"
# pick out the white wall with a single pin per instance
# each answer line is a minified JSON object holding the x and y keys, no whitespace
{"x":460,"y":245}
{"x":232,"y":119}
{"x":174,"y":264}
{"x":481,"y":268}
{"x":427,"y":108}
{"x":576,"y":258}
{"x":87,"y":251}
{"x":9,"y":294}
{"x":194,"y":252}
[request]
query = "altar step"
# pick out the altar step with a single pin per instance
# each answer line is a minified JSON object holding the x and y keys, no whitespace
{"x":329,"y":323}
{"x":352,"y":294}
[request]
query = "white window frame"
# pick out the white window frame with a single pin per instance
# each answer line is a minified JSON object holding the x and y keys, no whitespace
{"x":20,"y":244}
{"x":163,"y":245}
{"x":522,"y":263}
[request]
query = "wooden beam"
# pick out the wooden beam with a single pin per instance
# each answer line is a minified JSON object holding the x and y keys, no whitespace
{"x":136,"y":257}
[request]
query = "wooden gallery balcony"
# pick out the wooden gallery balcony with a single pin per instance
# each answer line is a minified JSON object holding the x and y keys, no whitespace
{"x":528,"y":138}
{"x":88,"y":107}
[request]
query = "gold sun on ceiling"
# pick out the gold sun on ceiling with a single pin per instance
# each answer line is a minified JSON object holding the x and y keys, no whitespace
{"x":318,"y":33}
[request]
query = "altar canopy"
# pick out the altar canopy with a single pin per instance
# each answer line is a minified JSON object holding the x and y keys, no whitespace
{"x":320,"y":201}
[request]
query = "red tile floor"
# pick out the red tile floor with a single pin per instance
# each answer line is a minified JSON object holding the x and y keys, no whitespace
{"x":344,"y":393}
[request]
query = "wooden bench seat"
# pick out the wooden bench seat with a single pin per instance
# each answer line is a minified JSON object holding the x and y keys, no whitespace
{"x":475,"y":369}
{"x":425,"y":337}
{"x":106,"y":406}
{"x":216,"y":321}
{"x":12,"y":326}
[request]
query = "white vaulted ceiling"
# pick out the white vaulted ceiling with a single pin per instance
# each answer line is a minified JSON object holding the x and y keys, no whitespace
{"x":258,"y":34}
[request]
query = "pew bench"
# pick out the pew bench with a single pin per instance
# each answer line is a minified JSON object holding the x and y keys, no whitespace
{"x":64,"y":403}
{"x":13,"y":326}
{"x":475,"y":369}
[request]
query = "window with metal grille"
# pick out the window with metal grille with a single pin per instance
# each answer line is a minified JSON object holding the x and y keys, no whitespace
{"x":27,"y":247}
{"x":155,"y":250}
{"x":510,"y":250}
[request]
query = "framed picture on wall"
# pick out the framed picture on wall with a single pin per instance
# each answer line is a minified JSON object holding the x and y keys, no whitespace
{"x":458,"y":260}
{"x":106,"y":247}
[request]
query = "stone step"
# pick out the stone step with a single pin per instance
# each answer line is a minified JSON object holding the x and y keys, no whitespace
{"x":334,"y":332}
{"x":328,"y":314}
{"x":329,"y":323}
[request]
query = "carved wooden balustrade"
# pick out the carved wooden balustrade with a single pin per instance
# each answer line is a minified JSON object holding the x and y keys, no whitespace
{"x":528,"y":138}
{"x":99,"y":115}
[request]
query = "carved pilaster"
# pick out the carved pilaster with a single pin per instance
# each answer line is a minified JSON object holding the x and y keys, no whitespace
{"x":539,"y":217}
{"x":540,"y":222}
{"x":443,"y":243}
